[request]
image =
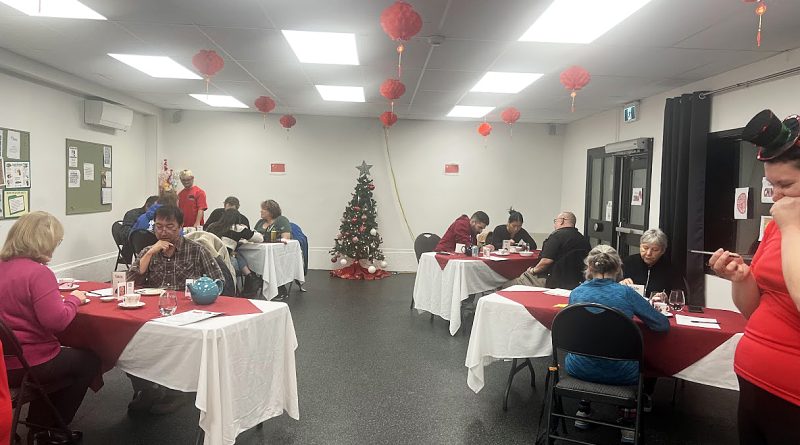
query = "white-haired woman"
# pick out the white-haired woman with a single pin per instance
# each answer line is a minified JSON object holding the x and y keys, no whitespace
{"x":603,"y":270}
{"x":650,"y":268}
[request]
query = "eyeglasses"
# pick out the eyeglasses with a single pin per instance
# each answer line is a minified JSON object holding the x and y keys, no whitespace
{"x":169,"y":227}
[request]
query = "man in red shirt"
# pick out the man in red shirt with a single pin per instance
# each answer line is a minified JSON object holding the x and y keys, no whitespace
{"x":191,"y":200}
{"x":464,"y":230}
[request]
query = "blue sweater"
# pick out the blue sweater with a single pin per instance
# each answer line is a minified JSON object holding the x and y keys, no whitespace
{"x":610,"y":293}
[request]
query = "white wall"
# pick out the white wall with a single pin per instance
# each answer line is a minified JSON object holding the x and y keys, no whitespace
{"x":230,"y":155}
{"x":51,"y":116}
{"x":728,"y":111}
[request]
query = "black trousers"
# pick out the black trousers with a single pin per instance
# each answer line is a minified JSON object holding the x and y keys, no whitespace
{"x":766,"y":419}
{"x":75,"y":365}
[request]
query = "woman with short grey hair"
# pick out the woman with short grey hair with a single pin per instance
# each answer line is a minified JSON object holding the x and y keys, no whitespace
{"x":603,"y":261}
{"x":650,"y":267}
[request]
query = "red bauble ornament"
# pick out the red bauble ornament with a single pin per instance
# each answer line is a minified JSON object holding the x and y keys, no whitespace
{"x":287,"y":121}
{"x":265,"y":104}
{"x":371,"y":186}
{"x":574,"y":78}
{"x":333,"y":260}
{"x":208,"y":62}
{"x":354,"y":220}
{"x":356,"y":208}
{"x":355,"y":239}
{"x":510,"y":115}
{"x":400,"y":21}
{"x":484,"y":129}
{"x":361,"y":229}
{"x":388,"y":118}
{"x":392,"y":89}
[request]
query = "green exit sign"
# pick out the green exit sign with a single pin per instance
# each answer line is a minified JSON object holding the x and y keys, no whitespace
{"x":631,"y":112}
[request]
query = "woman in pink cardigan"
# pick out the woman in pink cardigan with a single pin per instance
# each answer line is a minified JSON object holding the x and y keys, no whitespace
{"x":31,"y":306}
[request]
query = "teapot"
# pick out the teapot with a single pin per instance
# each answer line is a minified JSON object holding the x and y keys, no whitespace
{"x":204,"y":290}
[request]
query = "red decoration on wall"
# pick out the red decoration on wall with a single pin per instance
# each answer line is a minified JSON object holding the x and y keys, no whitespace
{"x":574,"y":78}
{"x":277,"y":168}
{"x":208,"y":63}
{"x":287,"y":121}
{"x":388,"y":118}
{"x":760,"y":10}
{"x":484,"y":129}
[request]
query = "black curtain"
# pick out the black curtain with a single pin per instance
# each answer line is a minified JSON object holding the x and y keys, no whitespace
{"x":686,"y":125}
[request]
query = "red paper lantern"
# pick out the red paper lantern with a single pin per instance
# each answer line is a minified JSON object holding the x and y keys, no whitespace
{"x":400,"y":21}
{"x":388,"y":118}
{"x":265,"y":104}
{"x":287,"y":121}
{"x":392,"y":89}
{"x":510,"y":115}
{"x":760,"y":10}
{"x":574,"y":78}
{"x":484,"y":129}
{"x":208,"y":62}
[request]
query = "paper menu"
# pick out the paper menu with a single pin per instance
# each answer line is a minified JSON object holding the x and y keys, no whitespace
{"x":697,"y":322}
{"x":185,"y":318}
{"x":559,"y":292}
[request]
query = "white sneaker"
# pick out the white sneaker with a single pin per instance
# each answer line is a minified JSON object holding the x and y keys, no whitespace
{"x":580,"y":424}
{"x":627,"y":436}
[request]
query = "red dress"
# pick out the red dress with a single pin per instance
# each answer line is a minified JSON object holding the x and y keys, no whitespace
{"x":768,"y":355}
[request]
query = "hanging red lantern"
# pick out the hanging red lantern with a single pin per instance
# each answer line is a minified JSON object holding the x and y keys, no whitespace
{"x":265,"y":104}
{"x":760,"y":10}
{"x":484,"y":129}
{"x":388,"y":118}
{"x":287,"y":121}
{"x":509,"y":116}
{"x":392,"y":89}
{"x":208,"y":63}
{"x":400,"y":22}
{"x":574,"y":78}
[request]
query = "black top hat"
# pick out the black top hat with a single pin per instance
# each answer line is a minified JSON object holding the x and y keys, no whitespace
{"x":772,"y":136}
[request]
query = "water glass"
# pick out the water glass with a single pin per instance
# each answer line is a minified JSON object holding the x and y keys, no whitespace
{"x":677,"y":300}
{"x":657,"y":297}
{"x":167,"y":303}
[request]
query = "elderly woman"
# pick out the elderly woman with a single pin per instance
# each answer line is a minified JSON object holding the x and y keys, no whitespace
{"x":767,"y":360}
{"x":512,"y":231}
{"x":32,"y":307}
{"x":273,"y":221}
{"x":603,"y":269}
{"x":650,"y":267}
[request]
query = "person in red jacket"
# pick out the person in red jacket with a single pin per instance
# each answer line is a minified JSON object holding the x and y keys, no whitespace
{"x":767,"y":292}
{"x":464,"y":230}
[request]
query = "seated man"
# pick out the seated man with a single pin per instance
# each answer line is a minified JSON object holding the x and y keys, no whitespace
{"x":146,"y":220}
{"x":167,"y":264}
{"x":231,"y":202}
{"x":464,"y":230}
{"x":561,"y":242}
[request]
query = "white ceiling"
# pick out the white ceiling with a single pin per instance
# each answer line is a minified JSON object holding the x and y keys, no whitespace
{"x":666,"y":44}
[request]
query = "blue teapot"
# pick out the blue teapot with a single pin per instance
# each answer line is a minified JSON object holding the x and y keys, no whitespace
{"x":204,"y":290}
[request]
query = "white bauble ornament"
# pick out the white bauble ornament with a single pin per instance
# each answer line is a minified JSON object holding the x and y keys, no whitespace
{"x":371,"y":269}
{"x":373,"y":232}
{"x":343,"y":262}
{"x":384,"y":264}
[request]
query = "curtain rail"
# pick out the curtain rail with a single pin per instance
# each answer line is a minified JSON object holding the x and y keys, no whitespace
{"x":773,"y":76}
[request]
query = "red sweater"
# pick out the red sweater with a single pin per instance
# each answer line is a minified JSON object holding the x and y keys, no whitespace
{"x":769,"y":353}
{"x":458,"y":232}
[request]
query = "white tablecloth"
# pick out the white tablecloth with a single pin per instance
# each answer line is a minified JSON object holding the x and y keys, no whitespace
{"x":504,"y":329}
{"x":441,"y":292}
{"x":277,"y":263}
{"x":242,"y":367}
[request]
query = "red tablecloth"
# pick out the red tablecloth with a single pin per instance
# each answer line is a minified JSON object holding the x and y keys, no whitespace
{"x":106,"y":329}
{"x":511,"y":268}
{"x":665,"y":354}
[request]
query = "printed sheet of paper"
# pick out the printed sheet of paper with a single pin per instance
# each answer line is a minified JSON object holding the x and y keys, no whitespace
{"x":697,"y":322}
{"x":766,"y":191}
{"x":73,"y":178}
{"x":741,"y":203}
{"x":18,"y":174}
{"x":185,"y":318}
{"x":88,"y":171}
{"x":15,"y":203}
{"x":72,"y":157}
{"x":105,"y":195}
{"x":559,"y":292}
{"x":105,"y":178}
{"x":107,"y":157}
{"x":764,"y":221}
{"x":637,"y":196}
{"x":13,"y":144}
{"x":2,"y":168}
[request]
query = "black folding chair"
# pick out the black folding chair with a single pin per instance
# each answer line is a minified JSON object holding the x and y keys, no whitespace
{"x":597,"y":331}
{"x":124,"y":253}
{"x":31,"y":389}
{"x":425,"y":242}
{"x":140,"y":239}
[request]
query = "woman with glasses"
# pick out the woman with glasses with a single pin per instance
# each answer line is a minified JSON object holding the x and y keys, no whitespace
{"x":650,"y":268}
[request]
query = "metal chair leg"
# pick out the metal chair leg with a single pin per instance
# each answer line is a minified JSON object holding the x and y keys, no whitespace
{"x":412,"y":302}
{"x":515,"y":368}
{"x":201,"y":435}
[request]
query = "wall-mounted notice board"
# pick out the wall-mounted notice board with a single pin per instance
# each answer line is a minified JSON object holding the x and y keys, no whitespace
{"x":15,"y":173}
{"x":89,"y":178}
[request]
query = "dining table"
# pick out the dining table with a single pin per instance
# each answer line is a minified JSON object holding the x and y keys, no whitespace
{"x":515,"y":324}
{"x":444,"y":280}
{"x":240,"y":363}
{"x":278,"y":263}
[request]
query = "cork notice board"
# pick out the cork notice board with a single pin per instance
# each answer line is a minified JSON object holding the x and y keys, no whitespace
{"x":15,"y":173}
{"x":89,"y":180}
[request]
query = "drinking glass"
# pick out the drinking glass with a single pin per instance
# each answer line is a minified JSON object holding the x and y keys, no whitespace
{"x":677,"y":300}
{"x":657,"y":297}
{"x":167,"y":303}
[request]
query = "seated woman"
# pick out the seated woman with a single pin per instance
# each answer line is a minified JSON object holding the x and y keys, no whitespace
{"x":603,"y":269}
{"x":35,"y":311}
{"x":650,"y":267}
{"x":512,"y":231}
{"x":230,"y":231}
{"x":273,"y":221}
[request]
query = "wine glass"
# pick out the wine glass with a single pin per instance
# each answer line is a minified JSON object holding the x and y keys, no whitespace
{"x":167,"y":303}
{"x":677,"y":300}
{"x":657,"y":297}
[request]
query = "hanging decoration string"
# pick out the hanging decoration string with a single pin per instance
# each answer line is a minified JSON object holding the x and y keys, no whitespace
{"x":394,"y":183}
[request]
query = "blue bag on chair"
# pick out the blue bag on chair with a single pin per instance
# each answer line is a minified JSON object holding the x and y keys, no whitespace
{"x":297,"y":233}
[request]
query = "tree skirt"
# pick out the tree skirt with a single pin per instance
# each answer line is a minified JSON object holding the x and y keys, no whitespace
{"x":356,"y":272}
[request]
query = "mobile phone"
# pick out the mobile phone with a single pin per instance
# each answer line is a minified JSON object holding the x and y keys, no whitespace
{"x":695,"y":309}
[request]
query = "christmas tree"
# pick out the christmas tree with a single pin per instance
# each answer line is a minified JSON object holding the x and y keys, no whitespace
{"x":357,"y":247}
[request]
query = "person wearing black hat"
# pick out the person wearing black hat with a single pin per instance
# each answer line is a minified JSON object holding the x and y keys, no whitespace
{"x":767,"y":292}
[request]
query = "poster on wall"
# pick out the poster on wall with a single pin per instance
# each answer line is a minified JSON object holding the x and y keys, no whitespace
{"x":609,"y":210}
{"x":637,"y":197}
{"x":15,"y":203}
{"x":741,"y":203}
{"x":13,"y":144}
{"x":105,"y":195}
{"x":766,"y":191}
{"x":451,"y":169}
{"x":88,"y":171}
{"x":18,"y":174}
{"x":277,"y":168}
{"x":73,"y":178}
{"x":105,"y":178}
{"x":107,"y":157}
{"x":2,"y":170}
{"x":764,"y":221}
{"x":72,"y":157}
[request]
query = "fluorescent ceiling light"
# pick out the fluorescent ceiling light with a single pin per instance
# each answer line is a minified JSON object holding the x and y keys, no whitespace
{"x":579,"y":21}
{"x":323,"y":47}
{"x":69,"y":9}
{"x":341,"y":94}
{"x":496,"y":82}
{"x":218,"y":100}
{"x":156,"y":66}
{"x":469,"y":111}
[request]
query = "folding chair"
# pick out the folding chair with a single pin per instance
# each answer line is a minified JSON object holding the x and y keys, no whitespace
{"x":425,"y":242}
{"x":123,"y":253}
{"x":140,"y":239}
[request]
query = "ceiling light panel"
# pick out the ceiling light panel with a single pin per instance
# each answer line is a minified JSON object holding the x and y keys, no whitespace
{"x":341,"y":93}
{"x":497,"y":82}
{"x":217,"y":100}
{"x":579,"y":21}
{"x":69,"y":9}
{"x":469,"y":111}
{"x":156,"y":66}
{"x":332,"y":48}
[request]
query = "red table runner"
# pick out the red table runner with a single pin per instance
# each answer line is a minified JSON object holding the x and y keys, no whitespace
{"x":665,"y":354}
{"x":106,"y":329}
{"x":511,"y":268}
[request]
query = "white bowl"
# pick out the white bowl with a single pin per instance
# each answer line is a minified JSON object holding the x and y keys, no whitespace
{"x":526,"y":253}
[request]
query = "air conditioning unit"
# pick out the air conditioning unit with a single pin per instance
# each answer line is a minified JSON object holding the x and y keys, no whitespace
{"x":631,"y":146}
{"x":105,"y":114}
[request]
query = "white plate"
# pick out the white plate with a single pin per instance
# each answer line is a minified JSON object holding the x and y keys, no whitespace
{"x":149,"y":291}
{"x":499,"y":254}
{"x":108,"y":299}
{"x":131,"y":306}
{"x":66,"y":286}
{"x":526,"y":254}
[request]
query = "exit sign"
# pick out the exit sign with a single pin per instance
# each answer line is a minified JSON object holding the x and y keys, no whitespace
{"x":631,"y":112}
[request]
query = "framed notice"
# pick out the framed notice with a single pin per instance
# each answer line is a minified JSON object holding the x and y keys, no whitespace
{"x":15,"y":203}
{"x":277,"y":168}
{"x":451,"y":169}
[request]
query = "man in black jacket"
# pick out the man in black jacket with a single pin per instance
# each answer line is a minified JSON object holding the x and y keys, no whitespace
{"x":231,"y":202}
